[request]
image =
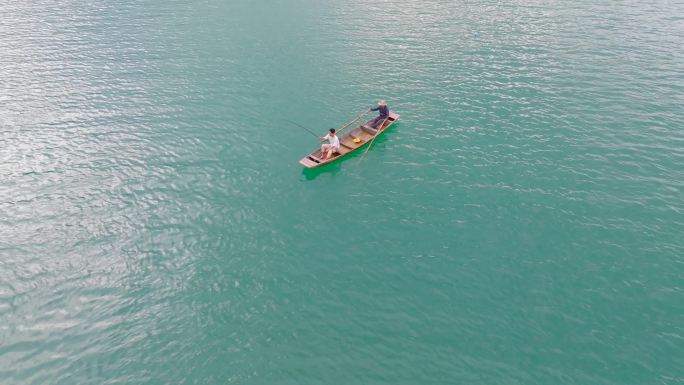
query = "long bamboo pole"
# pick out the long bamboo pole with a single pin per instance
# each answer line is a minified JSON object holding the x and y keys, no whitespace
{"x":376,"y":134}
{"x":350,"y":123}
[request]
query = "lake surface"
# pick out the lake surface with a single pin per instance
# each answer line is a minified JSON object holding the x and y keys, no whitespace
{"x":522,"y":224}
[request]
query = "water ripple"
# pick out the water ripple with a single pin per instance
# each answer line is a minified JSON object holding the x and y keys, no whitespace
{"x":521,"y":223}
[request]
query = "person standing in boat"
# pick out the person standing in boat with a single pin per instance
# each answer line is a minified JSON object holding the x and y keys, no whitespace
{"x":384,"y":113}
{"x":332,"y":146}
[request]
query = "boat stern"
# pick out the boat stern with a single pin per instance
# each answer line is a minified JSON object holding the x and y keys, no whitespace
{"x":309,"y":162}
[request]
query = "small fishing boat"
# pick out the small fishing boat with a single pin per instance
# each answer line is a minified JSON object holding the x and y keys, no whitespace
{"x":350,"y":141}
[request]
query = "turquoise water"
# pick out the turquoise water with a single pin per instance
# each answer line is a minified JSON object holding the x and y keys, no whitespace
{"x":521,"y":224}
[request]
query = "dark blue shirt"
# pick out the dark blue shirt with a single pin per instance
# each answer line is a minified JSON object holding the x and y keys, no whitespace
{"x":384,"y":111}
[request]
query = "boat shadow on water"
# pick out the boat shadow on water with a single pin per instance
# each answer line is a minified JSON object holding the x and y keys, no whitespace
{"x":330,"y":168}
{"x":335,"y":167}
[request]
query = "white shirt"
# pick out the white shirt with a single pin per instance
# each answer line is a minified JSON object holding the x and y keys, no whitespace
{"x":334,"y":141}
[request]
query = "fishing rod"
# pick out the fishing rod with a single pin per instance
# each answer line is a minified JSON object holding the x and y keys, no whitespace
{"x":300,"y":126}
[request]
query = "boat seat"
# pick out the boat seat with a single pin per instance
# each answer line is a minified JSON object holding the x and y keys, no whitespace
{"x":369,"y":129}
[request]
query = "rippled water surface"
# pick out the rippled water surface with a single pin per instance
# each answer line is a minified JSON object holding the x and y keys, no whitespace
{"x":522,"y":224}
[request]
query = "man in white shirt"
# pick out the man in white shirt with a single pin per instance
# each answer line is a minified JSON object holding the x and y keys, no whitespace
{"x":332,"y":146}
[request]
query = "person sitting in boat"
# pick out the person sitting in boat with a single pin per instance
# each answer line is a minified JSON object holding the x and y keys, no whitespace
{"x":384,"y":113}
{"x":332,"y":146}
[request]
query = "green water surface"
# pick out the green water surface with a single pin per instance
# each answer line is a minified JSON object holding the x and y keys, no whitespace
{"x":522,"y":224}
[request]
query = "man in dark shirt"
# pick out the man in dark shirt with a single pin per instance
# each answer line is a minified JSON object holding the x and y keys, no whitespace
{"x":384,"y":113}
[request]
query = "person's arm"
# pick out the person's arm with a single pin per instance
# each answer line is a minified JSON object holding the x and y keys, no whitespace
{"x":325,"y":137}
{"x":374,"y":109}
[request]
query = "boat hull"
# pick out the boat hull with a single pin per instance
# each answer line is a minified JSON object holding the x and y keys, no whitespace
{"x":350,"y":141}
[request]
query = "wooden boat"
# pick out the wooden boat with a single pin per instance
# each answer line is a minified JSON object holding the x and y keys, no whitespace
{"x":350,"y":141}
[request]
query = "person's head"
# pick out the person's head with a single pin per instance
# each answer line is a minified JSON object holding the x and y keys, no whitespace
{"x":382,"y":103}
{"x":332,"y":131}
